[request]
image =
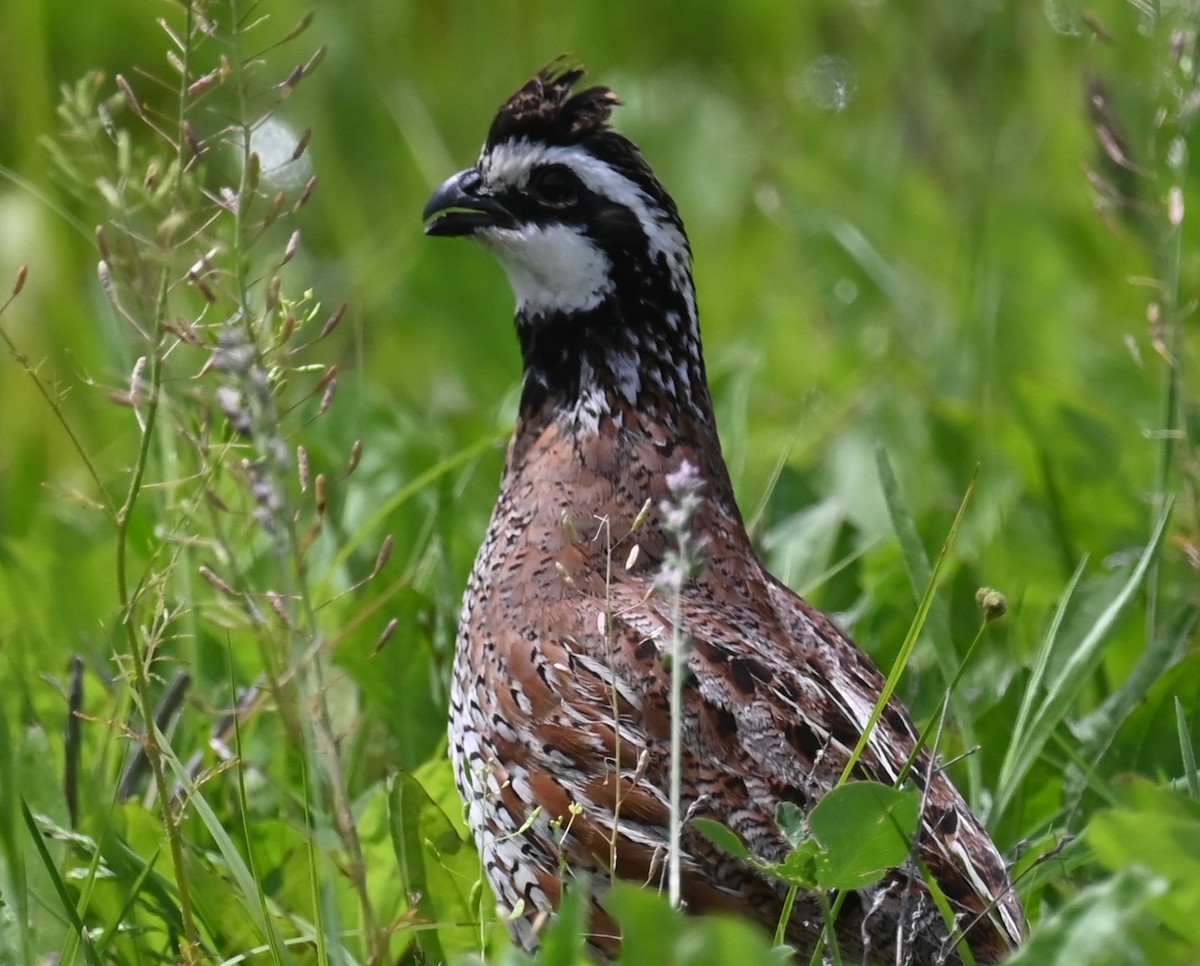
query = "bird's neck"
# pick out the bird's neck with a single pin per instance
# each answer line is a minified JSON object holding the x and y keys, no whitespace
{"x":632,"y":358}
{"x":625,"y":383}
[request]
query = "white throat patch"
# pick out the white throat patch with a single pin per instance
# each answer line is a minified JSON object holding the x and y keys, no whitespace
{"x":509,"y":165}
{"x":552,"y":268}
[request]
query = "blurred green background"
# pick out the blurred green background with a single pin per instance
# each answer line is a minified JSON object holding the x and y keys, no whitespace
{"x":895,"y":240}
{"x":906,"y":230}
{"x":894,"y":235}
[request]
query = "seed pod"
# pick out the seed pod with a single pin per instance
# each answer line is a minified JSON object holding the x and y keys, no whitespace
{"x":302,"y":467}
{"x":387,"y":633}
{"x":309,"y":187}
{"x":321,"y":496}
{"x":302,"y":144}
{"x":385,"y":553}
{"x":356,"y":452}
{"x":289,"y":251}
{"x":333,"y":321}
{"x":130,"y":97}
{"x":217,"y":582}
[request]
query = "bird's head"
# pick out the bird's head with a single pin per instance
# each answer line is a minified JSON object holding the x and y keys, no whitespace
{"x":594,"y":248}
{"x":568,"y":205}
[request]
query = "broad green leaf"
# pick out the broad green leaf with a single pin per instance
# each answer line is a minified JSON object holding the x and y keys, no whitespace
{"x":1096,"y":927}
{"x":654,"y":934}
{"x":1159,"y":831}
{"x":437,"y":863}
{"x":565,"y":939}
{"x":790,"y":820}
{"x":805,"y":867}
{"x":866,"y":828}
{"x":388,"y":896}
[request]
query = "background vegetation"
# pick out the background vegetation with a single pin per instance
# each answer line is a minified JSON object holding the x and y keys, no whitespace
{"x":957,"y":235}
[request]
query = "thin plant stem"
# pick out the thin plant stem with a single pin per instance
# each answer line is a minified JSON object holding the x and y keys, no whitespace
{"x":313,"y":730}
{"x":141,"y":659}
{"x":1168,"y":254}
{"x":910,"y":640}
{"x":52,"y":401}
{"x":681,"y":565}
{"x":674,"y":873}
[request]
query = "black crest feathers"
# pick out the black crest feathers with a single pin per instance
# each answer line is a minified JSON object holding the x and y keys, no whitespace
{"x":545,"y":110}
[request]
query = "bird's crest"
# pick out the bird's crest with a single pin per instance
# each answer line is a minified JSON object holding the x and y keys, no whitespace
{"x":546,"y":111}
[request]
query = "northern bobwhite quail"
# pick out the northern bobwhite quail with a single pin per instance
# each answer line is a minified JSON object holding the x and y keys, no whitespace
{"x":559,"y":715}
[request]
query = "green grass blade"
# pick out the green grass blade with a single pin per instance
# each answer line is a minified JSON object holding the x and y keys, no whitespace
{"x":1186,"y":749}
{"x":1166,"y":642}
{"x":244,"y":810}
{"x":251,"y":890}
{"x":72,"y":914}
{"x":314,"y":863}
{"x":1061,"y":693}
{"x":134,"y":892}
{"x":1037,"y":675}
{"x":920,"y":576}
{"x":910,"y":640}
{"x":13,"y":884}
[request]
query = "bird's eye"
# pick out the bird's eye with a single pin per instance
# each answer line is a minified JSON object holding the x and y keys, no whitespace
{"x":554,"y":186}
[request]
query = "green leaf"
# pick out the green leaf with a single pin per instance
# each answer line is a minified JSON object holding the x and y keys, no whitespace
{"x":249,"y":888}
{"x":64,"y":896}
{"x":722,"y":836}
{"x":790,"y":820}
{"x":654,"y":933}
{"x":805,"y":867}
{"x":1158,"y":830}
{"x":1095,"y":928}
{"x":436,"y":861}
{"x":564,"y":942}
{"x":866,"y":828}
{"x":1034,"y":727}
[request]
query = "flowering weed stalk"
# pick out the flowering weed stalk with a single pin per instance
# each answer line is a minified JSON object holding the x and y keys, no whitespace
{"x":681,"y":564}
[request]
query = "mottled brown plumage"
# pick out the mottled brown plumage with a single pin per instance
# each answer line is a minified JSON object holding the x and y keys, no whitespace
{"x":560,"y":705}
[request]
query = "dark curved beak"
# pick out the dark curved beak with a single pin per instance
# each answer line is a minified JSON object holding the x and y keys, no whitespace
{"x":459,"y":207}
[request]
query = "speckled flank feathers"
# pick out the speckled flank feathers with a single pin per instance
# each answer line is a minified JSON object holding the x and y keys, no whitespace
{"x":559,"y":707}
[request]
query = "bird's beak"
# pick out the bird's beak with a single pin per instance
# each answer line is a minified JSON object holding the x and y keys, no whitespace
{"x":460,"y":207}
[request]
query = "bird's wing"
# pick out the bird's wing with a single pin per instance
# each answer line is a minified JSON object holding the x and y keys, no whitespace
{"x":774,"y":700}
